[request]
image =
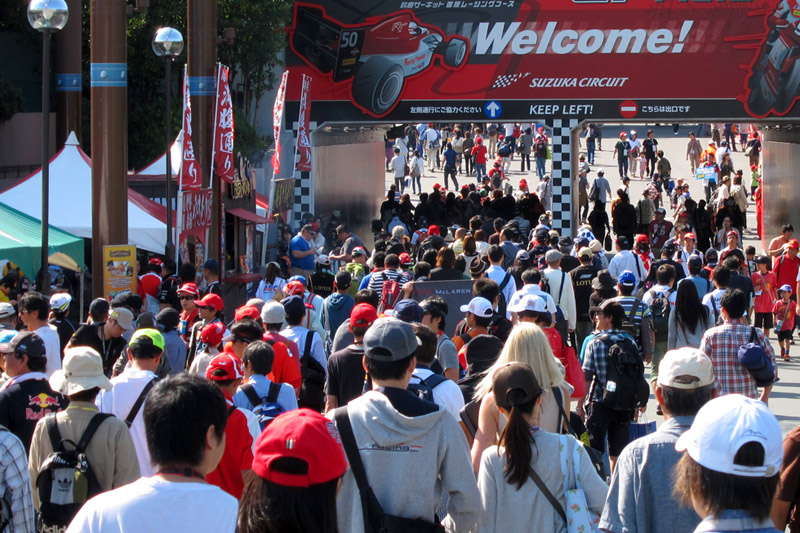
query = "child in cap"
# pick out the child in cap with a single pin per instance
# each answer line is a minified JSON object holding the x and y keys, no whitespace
{"x":299,"y":462}
{"x":227,"y":371}
{"x":211,"y":335}
{"x":784,"y":312}
{"x":731,"y":467}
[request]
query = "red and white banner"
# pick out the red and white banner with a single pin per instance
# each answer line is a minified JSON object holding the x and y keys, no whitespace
{"x":277,"y":120}
{"x":195,"y":220}
{"x":223,"y":128}
{"x":303,"y":139}
{"x":190,"y":178}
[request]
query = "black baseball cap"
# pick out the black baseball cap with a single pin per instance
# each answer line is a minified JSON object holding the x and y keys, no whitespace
{"x":25,"y":343}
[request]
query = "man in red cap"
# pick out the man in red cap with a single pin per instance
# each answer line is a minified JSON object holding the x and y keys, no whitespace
{"x":346,"y":378}
{"x":210,"y":309}
{"x":786,"y":267}
{"x":688,"y":250}
{"x":226,"y":371}
{"x":187,"y":295}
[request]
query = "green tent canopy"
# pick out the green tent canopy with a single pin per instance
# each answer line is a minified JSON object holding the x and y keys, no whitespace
{"x":21,"y":241}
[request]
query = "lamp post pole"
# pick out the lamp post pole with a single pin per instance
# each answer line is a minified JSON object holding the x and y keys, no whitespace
{"x":46,"y":16}
{"x":168,"y":43}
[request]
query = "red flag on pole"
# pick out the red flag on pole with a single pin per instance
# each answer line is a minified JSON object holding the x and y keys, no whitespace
{"x":190,"y":178}
{"x":303,"y":139}
{"x":277,"y":120}
{"x":223,"y":128}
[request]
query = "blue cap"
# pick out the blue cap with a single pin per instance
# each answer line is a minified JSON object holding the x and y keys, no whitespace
{"x":627,"y":279}
{"x":407,"y":311}
{"x":301,"y":279}
{"x":212,"y":265}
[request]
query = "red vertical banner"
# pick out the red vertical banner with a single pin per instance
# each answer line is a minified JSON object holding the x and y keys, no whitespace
{"x":277,"y":120}
{"x":303,"y":139}
{"x":190,"y":178}
{"x":223,"y":128}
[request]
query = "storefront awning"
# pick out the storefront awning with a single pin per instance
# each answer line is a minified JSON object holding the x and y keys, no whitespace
{"x":248,"y":215}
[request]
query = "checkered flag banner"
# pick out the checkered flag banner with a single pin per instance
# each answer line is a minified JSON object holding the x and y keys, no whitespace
{"x":507,"y":79}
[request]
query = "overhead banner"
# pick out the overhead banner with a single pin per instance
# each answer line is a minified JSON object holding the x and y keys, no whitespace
{"x":195,"y":223}
{"x":409,"y":61}
{"x":223,"y":128}
{"x":457,"y":293}
{"x":119,"y":274}
{"x":303,"y":127}
{"x":190,"y":175}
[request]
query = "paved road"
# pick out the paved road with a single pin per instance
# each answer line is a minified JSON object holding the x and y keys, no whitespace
{"x":784,"y":401}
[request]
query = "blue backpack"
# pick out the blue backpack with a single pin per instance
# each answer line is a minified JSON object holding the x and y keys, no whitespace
{"x":424,"y":389}
{"x":265,"y":409}
{"x":754,"y":358}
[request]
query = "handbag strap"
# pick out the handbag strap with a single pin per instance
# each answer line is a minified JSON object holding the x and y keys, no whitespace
{"x":547,"y":494}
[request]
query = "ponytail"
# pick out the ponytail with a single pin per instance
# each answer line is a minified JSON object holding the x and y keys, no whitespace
{"x":517,"y":439}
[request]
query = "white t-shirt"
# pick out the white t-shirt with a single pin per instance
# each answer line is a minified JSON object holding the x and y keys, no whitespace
{"x":446,"y":394}
{"x":266,"y":290}
{"x":399,"y":166}
{"x":297,"y":334}
{"x":52,"y":344}
{"x":156,"y":505}
{"x":660,"y":291}
{"x":716,"y":294}
{"x":119,"y":402}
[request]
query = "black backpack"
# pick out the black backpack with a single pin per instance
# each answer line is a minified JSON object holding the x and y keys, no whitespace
{"x":626,"y":388}
{"x":312,"y":393}
{"x":424,"y":389}
{"x":660,"y":308}
{"x":66,"y":480}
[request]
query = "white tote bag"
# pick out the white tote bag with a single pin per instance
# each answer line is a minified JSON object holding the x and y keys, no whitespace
{"x":579,"y":518}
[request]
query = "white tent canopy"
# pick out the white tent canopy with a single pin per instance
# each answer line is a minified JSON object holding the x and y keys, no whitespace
{"x":71,"y":200}
{"x":157,"y":167}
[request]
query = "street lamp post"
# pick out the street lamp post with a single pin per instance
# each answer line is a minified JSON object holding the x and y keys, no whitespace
{"x":46,"y":16}
{"x":168,"y":43}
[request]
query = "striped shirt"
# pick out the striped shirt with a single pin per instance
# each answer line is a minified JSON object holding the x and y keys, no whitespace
{"x":377,"y":279}
{"x":15,"y":482}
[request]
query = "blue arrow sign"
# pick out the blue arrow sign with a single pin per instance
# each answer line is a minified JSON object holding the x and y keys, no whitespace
{"x":492,"y":109}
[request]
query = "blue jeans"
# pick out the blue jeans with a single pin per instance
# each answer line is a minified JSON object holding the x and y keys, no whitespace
{"x":623,"y":166}
{"x":480,"y":171}
{"x":416,"y":183}
{"x":540,"y":166}
{"x":590,"y":150}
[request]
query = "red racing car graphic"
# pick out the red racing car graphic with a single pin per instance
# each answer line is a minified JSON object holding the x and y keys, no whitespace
{"x":375,"y":57}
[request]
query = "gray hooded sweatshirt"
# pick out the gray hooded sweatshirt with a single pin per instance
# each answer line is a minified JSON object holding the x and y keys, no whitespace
{"x":409,"y":463}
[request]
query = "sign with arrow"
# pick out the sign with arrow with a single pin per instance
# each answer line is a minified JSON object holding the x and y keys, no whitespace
{"x":492,"y":109}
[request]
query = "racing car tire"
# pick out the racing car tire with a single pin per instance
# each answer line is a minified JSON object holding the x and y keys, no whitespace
{"x":455,"y":53}
{"x":377,"y":85}
{"x":757,"y":104}
{"x":789,"y":90}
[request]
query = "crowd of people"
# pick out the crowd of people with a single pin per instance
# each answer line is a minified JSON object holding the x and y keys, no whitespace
{"x":333,"y":401}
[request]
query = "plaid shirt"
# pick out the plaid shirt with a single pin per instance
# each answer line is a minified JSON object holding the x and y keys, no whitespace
{"x":595,"y":362}
{"x":15,"y":482}
{"x":721,"y":344}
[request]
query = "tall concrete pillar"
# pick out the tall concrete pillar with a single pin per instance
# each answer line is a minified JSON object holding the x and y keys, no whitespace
{"x":69,"y":83}
{"x":202,"y":58}
{"x":109,"y":111}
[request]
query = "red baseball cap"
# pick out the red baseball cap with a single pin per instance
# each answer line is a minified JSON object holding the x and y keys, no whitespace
{"x":246,"y":311}
{"x":294,"y":287}
{"x":211,"y":300}
{"x":793,"y":244}
{"x":433,"y":229}
{"x":732,"y":234}
{"x":363,"y":315}
{"x":523,"y":183}
{"x":690,"y":235}
{"x":301,"y":434}
{"x":212,"y":334}
{"x":225,"y":366}
{"x":641,"y":238}
{"x":189,"y":288}
{"x":405,"y":258}
{"x":156,"y":261}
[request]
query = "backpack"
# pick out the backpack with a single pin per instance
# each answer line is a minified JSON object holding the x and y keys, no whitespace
{"x":424,"y":389}
{"x":501,"y":302}
{"x":540,"y":146}
{"x":312,"y":394}
{"x":717,"y":315}
{"x":660,"y":308}
{"x":415,"y":170}
{"x":754,"y":358}
{"x":504,"y":150}
{"x":594,"y":192}
{"x":629,"y":322}
{"x":390,"y":294}
{"x":66,"y":480}
{"x":267,"y":408}
{"x":626,"y":388}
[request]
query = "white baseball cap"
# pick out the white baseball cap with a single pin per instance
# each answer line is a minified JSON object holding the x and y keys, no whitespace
{"x":478,"y":306}
{"x":60,"y":301}
{"x":725,"y":424}
{"x":529,"y":303}
{"x":6,"y":309}
{"x":273,"y":312}
{"x":685,"y":368}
